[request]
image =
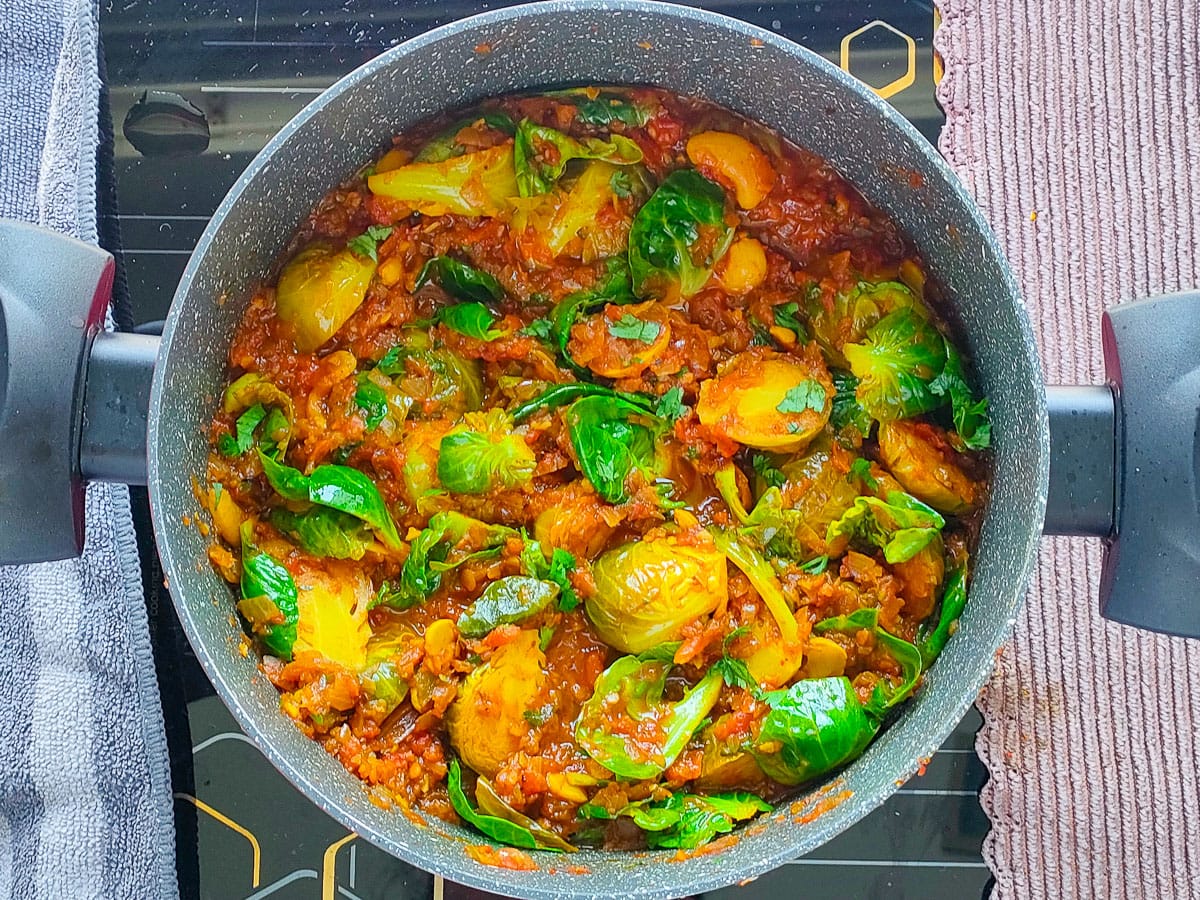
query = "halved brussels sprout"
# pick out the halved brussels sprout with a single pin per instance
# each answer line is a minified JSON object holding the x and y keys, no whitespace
{"x":474,"y":184}
{"x":621,"y":341}
{"x":421,"y":485}
{"x":579,"y":523}
{"x":628,"y":728}
{"x":923,"y":462}
{"x":678,"y":236}
{"x":333,"y":604}
{"x":768,"y":400}
{"x":647,"y":590}
{"x":487,"y":721}
{"x":728,"y":765}
{"x":319,"y":289}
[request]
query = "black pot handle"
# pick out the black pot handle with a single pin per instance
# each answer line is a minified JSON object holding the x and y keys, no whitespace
{"x":1125,"y":464}
{"x":65,"y":385}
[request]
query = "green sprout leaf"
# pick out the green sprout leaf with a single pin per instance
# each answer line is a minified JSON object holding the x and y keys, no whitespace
{"x":885,"y":695}
{"x":902,"y":526}
{"x":460,"y":280}
{"x":472,"y":319}
{"x":665,"y":236}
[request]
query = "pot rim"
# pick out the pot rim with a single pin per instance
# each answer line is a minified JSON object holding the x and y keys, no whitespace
{"x":541,"y":883}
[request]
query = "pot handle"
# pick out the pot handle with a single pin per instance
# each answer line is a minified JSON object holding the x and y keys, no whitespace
{"x":64,"y":383}
{"x":1125,"y":464}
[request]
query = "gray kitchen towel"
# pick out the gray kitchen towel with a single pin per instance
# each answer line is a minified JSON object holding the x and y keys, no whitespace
{"x":85,"y":797}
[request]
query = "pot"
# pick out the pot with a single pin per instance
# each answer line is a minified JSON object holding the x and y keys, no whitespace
{"x":1116,"y":461}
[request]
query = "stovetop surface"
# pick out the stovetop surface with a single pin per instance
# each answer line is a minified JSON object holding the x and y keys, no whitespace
{"x":223,"y":77}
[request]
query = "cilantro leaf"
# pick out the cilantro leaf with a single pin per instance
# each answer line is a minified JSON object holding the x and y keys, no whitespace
{"x":767,"y":471}
{"x":541,"y":329}
{"x":808,"y":394}
{"x":815,"y":566}
{"x":246,"y":423}
{"x":670,"y":405}
{"x":539,"y":717}
{"x":557,"y":570}
{"x":786,"y":317}
{"x":367,"y":243}
{"x":622,"y":184}
{"x":736,"y":673}
{"x":631,"y":328}
{"x":861,"y":468}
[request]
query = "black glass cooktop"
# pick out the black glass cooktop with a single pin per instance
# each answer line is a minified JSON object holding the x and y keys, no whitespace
{"x":196,"y":88}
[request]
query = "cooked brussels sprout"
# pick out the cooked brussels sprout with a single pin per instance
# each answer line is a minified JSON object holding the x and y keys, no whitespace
{"x":677,"y":237}
{"x":768,"y":400}
{"x":922,"y":575}
{"x":491,"y":804}
{"x":505,"y":601}
{"x":269,"y":602}
{"x":728,"y":767}
{"x":895,"y":365}
{"x":825,"y":496}
{"x":440,"y":381}
{"x":622,"y":341}
{"x":578,"y":523}
{"x":462,"y":281}
{"x":628,"y":728}
{"x":888,"y":692}
{"x":901,"y":526}
{"x":742,"y":553}
{"x":487,"y":721}
{"x":324,"y":532}
{"x":318,"y":290}
{"x":687,"y":821}
{"x":483,"y":453}
{"x":474,"y":184}
{"x":774,"y":660}
{"x":922,"y":460}
{"x":846,"y":319}
{"x":541,"y":155}
{"x":968,"y":412}
{"x":814,"y":726}
{"x":421,"y":486}
{"x":611,"y":438}
{"x":647,"y":590}
{"x":447,"y":145}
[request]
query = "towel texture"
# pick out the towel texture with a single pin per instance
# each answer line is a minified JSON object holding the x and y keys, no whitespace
{"x":1076,"y":124}
{"x":85,"y":799}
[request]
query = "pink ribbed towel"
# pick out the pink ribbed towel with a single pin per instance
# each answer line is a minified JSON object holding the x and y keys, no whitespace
{"x":1076,"y":125}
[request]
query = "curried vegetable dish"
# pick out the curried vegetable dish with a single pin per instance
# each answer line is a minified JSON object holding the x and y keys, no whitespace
{"x":595,"y":468}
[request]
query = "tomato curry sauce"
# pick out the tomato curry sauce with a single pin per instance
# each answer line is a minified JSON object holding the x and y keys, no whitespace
{"x":594,"y":469}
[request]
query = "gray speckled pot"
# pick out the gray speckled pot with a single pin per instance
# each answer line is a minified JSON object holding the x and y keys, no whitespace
{"x":553,"y":44}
